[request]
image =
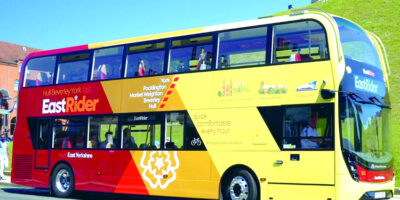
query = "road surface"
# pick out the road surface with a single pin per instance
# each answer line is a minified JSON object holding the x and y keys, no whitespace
{"x":27,"y":193}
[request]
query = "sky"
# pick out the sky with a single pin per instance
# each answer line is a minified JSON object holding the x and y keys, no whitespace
{"x":52,"y":24}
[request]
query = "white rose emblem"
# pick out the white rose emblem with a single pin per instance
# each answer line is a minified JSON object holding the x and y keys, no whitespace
{"x":159,"y":168}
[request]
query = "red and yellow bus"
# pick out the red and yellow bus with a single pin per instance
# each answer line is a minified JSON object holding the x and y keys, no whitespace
{"x":289,"y":107}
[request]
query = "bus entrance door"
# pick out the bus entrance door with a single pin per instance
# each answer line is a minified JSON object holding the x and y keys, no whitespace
{"x":42,"y":153}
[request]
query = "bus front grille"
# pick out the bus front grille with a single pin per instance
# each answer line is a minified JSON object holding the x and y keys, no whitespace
{"x":23,"y":167}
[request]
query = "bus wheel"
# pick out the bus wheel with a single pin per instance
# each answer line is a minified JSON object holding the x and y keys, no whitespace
{"x":240,"y":185}
{"x":62,"y":181}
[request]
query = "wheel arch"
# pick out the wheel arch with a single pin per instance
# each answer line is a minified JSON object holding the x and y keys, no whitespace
{"x":54,"y":166}
{"x":228,"y":171}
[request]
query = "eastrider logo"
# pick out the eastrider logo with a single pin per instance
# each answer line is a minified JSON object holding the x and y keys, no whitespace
{"x":69,"y":105}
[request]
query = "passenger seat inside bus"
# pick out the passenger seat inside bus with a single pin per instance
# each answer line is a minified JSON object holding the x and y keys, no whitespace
{"x":295,"y":57}
{"x":42,"y":79}
{"x":66,"y":143}
{"x":170,"y":145}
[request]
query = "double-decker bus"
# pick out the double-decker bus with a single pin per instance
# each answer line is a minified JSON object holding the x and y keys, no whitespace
{"x":288,"y":107}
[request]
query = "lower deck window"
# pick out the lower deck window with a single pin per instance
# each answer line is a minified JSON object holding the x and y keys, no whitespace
{"x":69,"y":133}
{"x":135,"y":131}
{"x":103,"y":132}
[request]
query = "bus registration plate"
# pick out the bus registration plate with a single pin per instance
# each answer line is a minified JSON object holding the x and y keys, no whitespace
{"x":379,"y":195}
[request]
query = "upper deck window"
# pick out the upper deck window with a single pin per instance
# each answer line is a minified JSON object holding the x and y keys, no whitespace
{"x":356,"y":44}
{"x":40,"y":71}
{"x":107,"y":63}
{"x":242,"y":47}
{"x":73,"y":68}
{"x":299,"y":41}
{"x":191,"y":54}
{"x":145,"y":60}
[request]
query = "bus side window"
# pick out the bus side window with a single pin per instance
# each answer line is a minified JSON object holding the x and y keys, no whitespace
{"x":73,"y":68}
{"x":44,"y":134}
{"x":141,"y":131}
{"x":299,"y":41}
{"x":241,"y":48}
{"x":191,"y":54}
{"x":103,"y":132}
{"x":174,"y":130}
{"x":69,"y":133}
{"x":181,"y":133}
{"x":39,"y":71}
{"x":107,"y":63}
{"x":128,"y":137}
{"x":145,"y":60}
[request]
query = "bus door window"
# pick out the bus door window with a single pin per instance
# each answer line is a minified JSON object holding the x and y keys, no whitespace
{"x":141,"y":132}
{"x":40,"y":71}
{"x":69,"y":133}
{"x":103,"y":132}
{"x":145,"y":60}
{"x":191,"y":54}
{"x":299,"y":41}
{"x":107,"y":63}
{"x":242,"y":48}
{"x":73,"y":68}
{"x":44,"y":134}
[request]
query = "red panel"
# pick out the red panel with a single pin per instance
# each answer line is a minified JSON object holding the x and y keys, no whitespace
{"x":374,"y":176}
{"x":74,"y":99}
{"x":130,"y":180}
{"x":102,"y":170}
{"x":42,"y":158}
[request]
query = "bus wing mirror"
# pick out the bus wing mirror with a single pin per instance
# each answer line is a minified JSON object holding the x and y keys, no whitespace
{"x":327,"y":94}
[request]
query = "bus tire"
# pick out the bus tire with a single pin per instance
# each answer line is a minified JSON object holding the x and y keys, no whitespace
{"x":62,"y":181}
{"x":239,"y":184}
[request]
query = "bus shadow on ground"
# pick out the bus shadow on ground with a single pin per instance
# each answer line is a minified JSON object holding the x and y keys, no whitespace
{"x":80,"y":195}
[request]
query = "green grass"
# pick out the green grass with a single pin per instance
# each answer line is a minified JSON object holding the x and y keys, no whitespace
{"x":382,"y":18}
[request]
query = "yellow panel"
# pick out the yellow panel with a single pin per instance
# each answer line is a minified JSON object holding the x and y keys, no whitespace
{"x":314,"y":167}
{"x":143,"y":94}
{"x":300,"y":192}
{"x":228,"y":129}
{"x":250,"y":87}
{"x":145,"y":38}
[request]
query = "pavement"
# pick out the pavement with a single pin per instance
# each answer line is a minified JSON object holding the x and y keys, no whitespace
{"x":7,"y":181}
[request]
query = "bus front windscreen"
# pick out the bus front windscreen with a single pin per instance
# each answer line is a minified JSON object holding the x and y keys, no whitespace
{"x":356,"y":44}
{"x":365,"y":138}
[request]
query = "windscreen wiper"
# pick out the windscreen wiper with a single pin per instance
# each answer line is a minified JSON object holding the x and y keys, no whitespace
{"x":381,"y":104}
{"x":357,"y":98}
{"x":372,"y":100}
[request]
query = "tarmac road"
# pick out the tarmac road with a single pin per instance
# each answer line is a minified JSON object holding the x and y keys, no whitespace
{"x":12,"y":192}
